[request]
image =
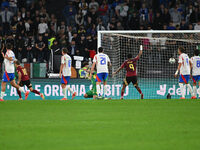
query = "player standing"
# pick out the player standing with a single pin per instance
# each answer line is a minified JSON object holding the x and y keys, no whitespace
{"x":101,"y":61}
{"x":184,"y":68}
{"x":23,"y":79}
{"x":9,"y":74}
{"x":65,"y":73}
{"x":195,"y":66}
{"x":131,"y":74}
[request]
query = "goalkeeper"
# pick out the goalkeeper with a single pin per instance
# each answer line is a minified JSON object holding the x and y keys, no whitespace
{"x":93,"y":92}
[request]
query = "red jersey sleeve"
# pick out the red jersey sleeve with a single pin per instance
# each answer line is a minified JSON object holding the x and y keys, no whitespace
{"x":136,"y":58}
{"x":122,"y":66}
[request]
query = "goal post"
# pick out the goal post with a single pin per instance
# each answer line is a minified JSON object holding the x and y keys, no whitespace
{"x":155,"y":72}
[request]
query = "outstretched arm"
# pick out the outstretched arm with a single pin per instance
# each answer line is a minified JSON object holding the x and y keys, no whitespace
{"x":140,"y":53}
{"x":118,"y":70}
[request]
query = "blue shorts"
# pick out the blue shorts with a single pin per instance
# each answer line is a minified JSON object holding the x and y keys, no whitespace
{"x":101,"y":77}
{"x":8,"y":77}
{"x":196,"y":78}
{"x":184,"y":78}
{"x":65,"y":80}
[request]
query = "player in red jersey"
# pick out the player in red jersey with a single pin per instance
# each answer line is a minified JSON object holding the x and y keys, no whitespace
{"x":23,"y":79}
{"x":131,"y":74}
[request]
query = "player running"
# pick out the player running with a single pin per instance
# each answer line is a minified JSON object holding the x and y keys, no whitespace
{"x":65,"y":73}
{"x":93,"y":92}
{"x":101,"y":61}
{"x":195,"y":66}
{"x":131,"y":74}
{"x":184,"y":69}
{"x":9,"y":74}
{"x":23,"y":79}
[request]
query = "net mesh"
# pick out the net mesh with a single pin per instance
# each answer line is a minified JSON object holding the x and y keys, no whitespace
{"x":153,"y":69}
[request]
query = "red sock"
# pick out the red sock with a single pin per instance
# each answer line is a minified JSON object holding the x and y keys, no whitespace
{"x":36,"y":92}
{"x":139,"y":90}
{"x":19,"y":93}
{"x":122,"y":94}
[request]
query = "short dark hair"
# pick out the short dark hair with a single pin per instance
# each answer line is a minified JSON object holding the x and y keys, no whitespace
{"x":196,"y":52}
{"x":17,"y":62}
{"x":182,"y":49}
{"x":9,"y":46}
{"x":65,"y":50}
{"x":100,"y":49}
{"x":129,"y":56}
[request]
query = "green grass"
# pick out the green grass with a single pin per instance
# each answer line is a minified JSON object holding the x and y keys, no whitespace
{"x":100,"y":125}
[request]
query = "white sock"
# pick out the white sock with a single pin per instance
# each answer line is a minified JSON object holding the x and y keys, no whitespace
{"x":198,"y":91}
{"x":64,"y":92}
{"x":190,"y":89}
{"x":105,"y":90}
{"x":70,"y":90}
{"x":182,"y":89}
{"x":21,"y":89}
{"x":98,"y":89}
{"x":2,"y":94}
{"x":195,"y":91}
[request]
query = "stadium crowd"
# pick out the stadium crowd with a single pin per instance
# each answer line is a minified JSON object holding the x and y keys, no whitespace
{"x":33,"y":31}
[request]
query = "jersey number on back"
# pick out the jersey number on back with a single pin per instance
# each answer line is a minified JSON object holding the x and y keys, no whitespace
{"x":198,"y":63}
{"x":103,"y":60}
{"x":24,"y":72}
{"x":69,"y":63}
{"x":131,"y":67}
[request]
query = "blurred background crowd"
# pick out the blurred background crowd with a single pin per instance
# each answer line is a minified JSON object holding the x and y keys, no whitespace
{"x":35,"y":27}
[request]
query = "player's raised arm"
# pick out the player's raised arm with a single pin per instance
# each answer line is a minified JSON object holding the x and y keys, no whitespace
{"x":140,"y":52}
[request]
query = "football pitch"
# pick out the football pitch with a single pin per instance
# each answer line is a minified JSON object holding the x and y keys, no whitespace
{"x":100,"y":125}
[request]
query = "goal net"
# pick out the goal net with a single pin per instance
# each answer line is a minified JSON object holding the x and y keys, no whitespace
{"x":155,"y":72}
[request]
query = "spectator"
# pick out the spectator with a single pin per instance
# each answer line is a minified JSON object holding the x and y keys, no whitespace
{"x":20,"y":52}
{"x":175,"y":16}
{"x":122,"y":12}
{"x":79,"y":19}
{"x":40,"y":45}
{"x":183,"y":25}
{"x":42,"y":26}
{"x":73,"y":49}
{"x":119,"y":26}
{"x":13,"y":6}
{"x":190,"y":27}
{"x":56,"y":48}
{"x":143,"y":14}
{"x":158,"y":22}
{"x":46,"y":38}
{"x":69,"y":13}
{"x":62,"y":26}
{"x":82,"y":46}
{"x":171,"y":26}
{"x":195,"y":15}
{"x":197,"y":26}
{"x":166,"y":16}
{"x":151,"y":16}
{"x":134,"y":22}
{"x":29,"y":45}
{"x":103,"y":10}
{"x":6,"y":17}
{"x":100,"y":25}
{"x":83,"y":7}
{"x":93,"y":4}
{"x":93,"y":15}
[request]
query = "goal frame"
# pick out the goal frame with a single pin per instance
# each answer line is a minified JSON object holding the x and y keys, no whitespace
{"x":141,"y":31}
